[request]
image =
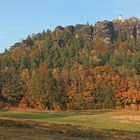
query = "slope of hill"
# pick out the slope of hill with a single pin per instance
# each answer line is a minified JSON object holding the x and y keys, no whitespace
{"x":74,"y":67}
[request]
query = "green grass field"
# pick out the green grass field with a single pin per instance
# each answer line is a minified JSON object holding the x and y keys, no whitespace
{"x":82,"y":122}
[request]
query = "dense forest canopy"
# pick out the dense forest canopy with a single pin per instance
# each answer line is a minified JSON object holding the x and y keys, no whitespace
{"x":74,"y":67}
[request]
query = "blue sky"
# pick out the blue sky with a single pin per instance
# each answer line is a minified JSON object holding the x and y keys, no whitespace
{"x":19,"y":18}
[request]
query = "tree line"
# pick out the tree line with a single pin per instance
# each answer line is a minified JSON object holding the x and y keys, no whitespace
{"x":40,"y":73}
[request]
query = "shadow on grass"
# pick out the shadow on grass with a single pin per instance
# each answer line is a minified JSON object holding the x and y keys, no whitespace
{"x":30,"y":129}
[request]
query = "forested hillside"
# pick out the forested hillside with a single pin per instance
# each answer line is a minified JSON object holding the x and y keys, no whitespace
{"x":74,"y":67}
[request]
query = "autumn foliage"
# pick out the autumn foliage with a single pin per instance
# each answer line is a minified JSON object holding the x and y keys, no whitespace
{"x":41,"y":74}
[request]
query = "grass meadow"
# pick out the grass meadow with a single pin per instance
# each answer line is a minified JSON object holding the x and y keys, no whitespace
{"x":71,"y":125}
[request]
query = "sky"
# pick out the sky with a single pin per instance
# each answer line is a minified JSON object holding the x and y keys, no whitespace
{"x":19,"y":18}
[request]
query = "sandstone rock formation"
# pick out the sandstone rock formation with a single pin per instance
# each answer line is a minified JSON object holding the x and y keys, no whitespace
{"x":107,"y":31}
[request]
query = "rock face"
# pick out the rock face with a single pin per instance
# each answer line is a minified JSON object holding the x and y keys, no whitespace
{"x":85,"y":31}
{"x":107,"y":31}
{"x":69,"y":29}
{"x":104,"y":31}
{"x":129,"y":29}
